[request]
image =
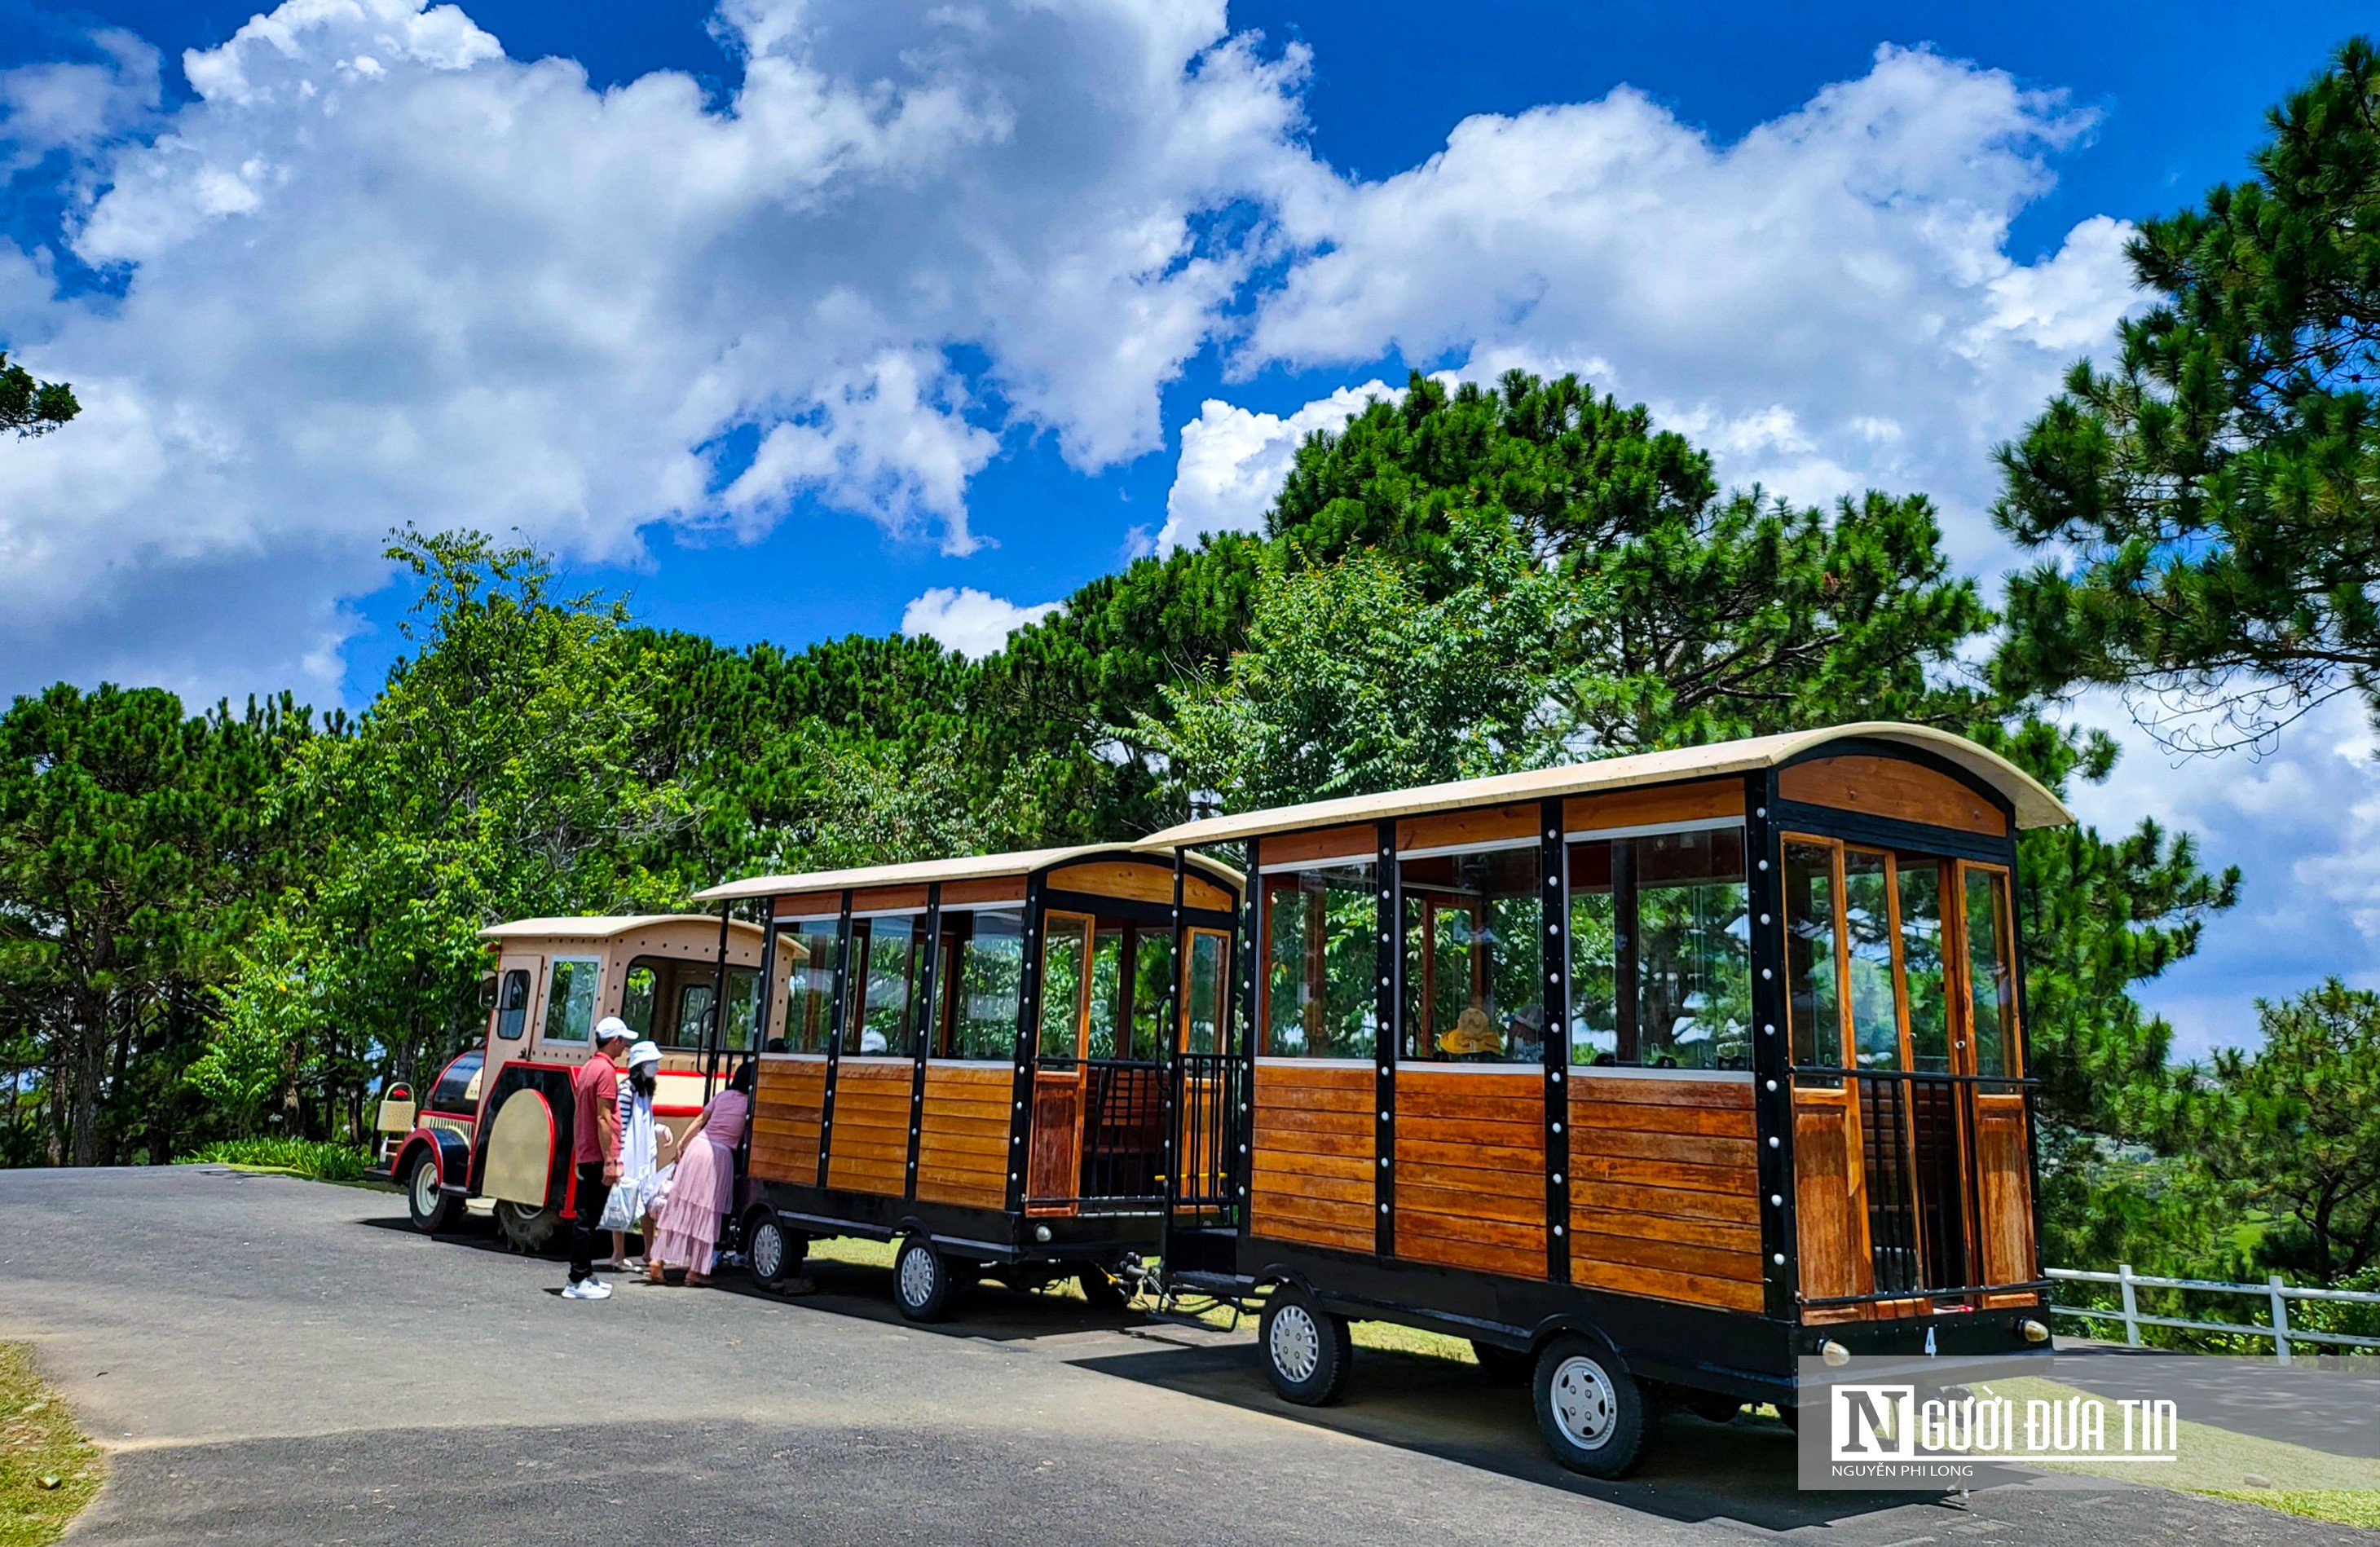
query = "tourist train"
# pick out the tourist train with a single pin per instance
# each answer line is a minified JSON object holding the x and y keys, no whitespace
{"x":1653,"y":1077}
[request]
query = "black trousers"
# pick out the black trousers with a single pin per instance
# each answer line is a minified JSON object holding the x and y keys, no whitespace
{"x":586,"y":1208}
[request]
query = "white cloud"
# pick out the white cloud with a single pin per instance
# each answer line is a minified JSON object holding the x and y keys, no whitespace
{"x":1837,"y":270}
{"x":969,"y":621}
{"x":378,"y":271}
{"x":2302,"y":822}
{"x":1234,"y":461}
{"x":74,"y":106}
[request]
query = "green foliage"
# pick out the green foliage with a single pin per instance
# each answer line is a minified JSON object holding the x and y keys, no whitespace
{"x":2217,"y":487}
{"x":508,"y":770}
{"x":134,"y":842}
{"x":307,"y":1157}
{"x":1354,"y":681}
{"x":32,"y":407}
{"x":2293,"y":1131}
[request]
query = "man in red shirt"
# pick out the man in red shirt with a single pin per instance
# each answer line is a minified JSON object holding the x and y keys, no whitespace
{"x":594,"y":1153}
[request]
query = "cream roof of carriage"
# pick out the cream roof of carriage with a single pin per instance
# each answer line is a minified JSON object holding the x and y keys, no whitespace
{"x":607,"y":926}
{"x":2035,"y":805}
{"x":965,"y":866}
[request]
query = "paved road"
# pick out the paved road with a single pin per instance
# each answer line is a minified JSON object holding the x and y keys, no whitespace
{"x":279,"y":1361}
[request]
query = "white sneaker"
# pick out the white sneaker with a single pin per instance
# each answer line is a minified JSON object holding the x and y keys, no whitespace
{"x":587,"y":1290}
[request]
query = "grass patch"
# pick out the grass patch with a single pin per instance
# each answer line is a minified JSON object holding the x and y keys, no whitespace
{"x":322,"y":1158}
{"x":2338,"y":1506}
{"x":48,"y":1471}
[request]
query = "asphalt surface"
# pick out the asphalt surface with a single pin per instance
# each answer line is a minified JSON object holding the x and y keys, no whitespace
{"x":277,"y":1361}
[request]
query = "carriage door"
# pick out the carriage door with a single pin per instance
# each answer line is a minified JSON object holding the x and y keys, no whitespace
{"x":1053,"y":1165}
{"x":1202,"y":1148}
{"x":1991,"y":1051}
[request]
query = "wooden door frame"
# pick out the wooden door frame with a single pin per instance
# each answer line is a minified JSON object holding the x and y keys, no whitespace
{"x":1052,"y":922}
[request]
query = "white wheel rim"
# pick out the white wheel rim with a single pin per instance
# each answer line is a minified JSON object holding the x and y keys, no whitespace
{"x":917,"y":1276}
{"x":1584,"y":1405}
{"x":768,"y":1251}
{"x":1296,"y":1343}
{"x":425,"y":1188}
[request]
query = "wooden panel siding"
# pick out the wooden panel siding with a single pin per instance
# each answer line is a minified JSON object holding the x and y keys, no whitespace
{"x":786,"y":1112}
{"x":1890,"y":787}
{"x":1644,"y":808}
{"x":962,"y":1141}
{"x":1329,"y":842}
{"x":1311,"y":1154}
{"x":1483,"y":825}
{"x":1471,"y":1167}
{"x":869,"y":1151}
{"x":966,"y":894}
{"x":1140,"y":882}
{"x":889,"y":899}
{"x":1664,"y":1190}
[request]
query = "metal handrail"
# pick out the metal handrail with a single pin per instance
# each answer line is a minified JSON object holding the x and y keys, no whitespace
{"x":2275,"y":1292}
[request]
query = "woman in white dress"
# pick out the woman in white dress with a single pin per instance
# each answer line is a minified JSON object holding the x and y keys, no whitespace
{"x":642,"y":1141}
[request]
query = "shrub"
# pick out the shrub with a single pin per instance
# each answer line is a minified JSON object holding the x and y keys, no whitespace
{"x":308,"y":1157}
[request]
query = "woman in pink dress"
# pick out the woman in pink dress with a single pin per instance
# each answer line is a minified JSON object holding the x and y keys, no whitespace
{"x":703,"y":1188}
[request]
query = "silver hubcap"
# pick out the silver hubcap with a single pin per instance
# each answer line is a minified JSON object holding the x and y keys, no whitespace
{"x":1584,"y":1403}
{"x":768,"y":1251}
{"x":917,"y":1275}
{"x":1296,"y":1343}
{"x":425,"y":1188}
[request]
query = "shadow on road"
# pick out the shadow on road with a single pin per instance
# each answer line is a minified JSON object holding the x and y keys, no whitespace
{"x":1699,"y":1471}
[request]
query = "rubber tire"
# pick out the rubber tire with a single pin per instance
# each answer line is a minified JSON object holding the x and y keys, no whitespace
{"x":1102,"y":1288}
{"x":1630,"y":1438}
{"x":1713,"y":1408}
{"x":443,"y":1207}
{"x":528,"y":1230}
{"x":1503,"y":1367}
{"x":790,"y":1251}
{"x":930,"y":1300}
{"x":1334,"y":1351}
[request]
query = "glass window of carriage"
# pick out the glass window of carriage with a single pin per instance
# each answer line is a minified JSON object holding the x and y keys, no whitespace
{"x":1321,"y":964}
{"x":806,"y":950}
{"x":570,"y":998}
{"x":1659,"y":950}
{"x":1474,"y":957}
{"x":512,"y":1005}
{"x":983,"y":952}
{"x":886,"y":955}
{"x":639,"y":994}
{"x":1693,"y":950}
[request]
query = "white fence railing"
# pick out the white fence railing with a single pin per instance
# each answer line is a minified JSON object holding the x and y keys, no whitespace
{"x":2275,"y":1294}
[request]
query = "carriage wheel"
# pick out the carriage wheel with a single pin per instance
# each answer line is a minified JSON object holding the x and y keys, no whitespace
{"x":1307,"y":1351}
{"x":775,"y":1254}
{"x":921,"y":1282}
{"x":431,"y":1208}
{"x":1592,"y":1412}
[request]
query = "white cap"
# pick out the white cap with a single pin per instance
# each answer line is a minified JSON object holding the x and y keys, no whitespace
{"x":643,"y":1053}
{"x":610,"y":1028}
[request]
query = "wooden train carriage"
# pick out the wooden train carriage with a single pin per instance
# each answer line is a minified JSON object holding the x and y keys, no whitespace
{"x":493,"y":1129}
{"x":980,"y":1055}
{"x":1661,"y":1070}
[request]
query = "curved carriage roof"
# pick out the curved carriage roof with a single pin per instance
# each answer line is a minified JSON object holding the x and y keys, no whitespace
{"x":600,"y":927}
{"x":2035,"y":805}
{"x":965,"y":866}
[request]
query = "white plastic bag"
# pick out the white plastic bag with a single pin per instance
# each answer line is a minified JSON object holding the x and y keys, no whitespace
{"x":656,"y":1188}
{"x":620,"y":1211}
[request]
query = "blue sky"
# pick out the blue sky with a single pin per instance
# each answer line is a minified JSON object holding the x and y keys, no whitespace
{"x":871,"y":315}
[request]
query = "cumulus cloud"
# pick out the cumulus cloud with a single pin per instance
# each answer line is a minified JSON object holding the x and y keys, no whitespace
{"x":378,"y":271}
{"x":974,"y":623}
{"x":1234,"y":461}
{"x":1826,"y":303}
